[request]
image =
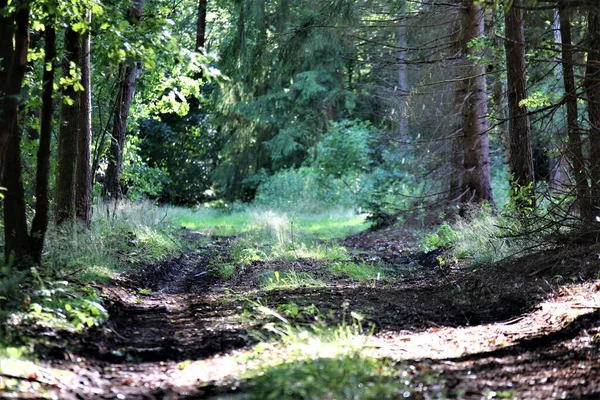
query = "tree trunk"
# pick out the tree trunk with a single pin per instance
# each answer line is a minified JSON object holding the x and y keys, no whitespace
{"x":592,"y":89}
{"x":112,"y":186}
{"x":201,"y":25}
{"x":402,"y":82}
{"x":67,"y":136}
{"x":127,"y":78}
{"x":14,"y":65}
{"x":83,"y":195}
{"x":575,"y":151}
{"x":559,"y":173}
{"x":521,"y":161}
{"x":6,"y":55}
{"x":476,"y":178}
{"x":40,"y":221}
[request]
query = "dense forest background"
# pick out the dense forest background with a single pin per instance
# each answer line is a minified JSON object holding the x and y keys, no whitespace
{"x":377,"y":105}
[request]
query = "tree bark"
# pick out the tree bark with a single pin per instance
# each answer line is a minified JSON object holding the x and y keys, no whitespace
{"x":7,"y":50}
{"x":575,"y":151}
{"x":476,"y":177}
{"x":39,"y":224}
{"x":127,"y":78}
{"x":83,"y":189}
{"x":67,"y":137}
{"x":592,"y":89}
{"x":201,"y":25}
{"x":402,"y":82}
{"x":16,"y":26}
{"x":112,"y":186}
{"x":521,"y":160}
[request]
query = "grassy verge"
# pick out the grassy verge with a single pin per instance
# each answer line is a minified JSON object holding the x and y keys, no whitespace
{"x":322,"y":362}
{"x":61,"y":294}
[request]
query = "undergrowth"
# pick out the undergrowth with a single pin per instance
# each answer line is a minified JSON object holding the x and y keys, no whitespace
{"x":60,"y":293}
{"x":321,"y":362}
{"x":482,"y":236}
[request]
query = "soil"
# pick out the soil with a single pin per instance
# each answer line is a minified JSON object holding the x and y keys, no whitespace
{"x":528,"y":328}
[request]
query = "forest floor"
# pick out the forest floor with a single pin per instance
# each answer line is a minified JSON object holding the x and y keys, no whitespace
{"x":385,"y":322}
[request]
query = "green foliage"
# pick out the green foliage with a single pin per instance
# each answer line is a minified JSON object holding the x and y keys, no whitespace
{"x":443,"y":238}
{"x":224,"y":271}
{"x":285,"y":75}
{"x":344,"y":377}
{"x":334,"y":178}
{"x":139,"y":179}
{"x":345,"y":150}
{"x":304,"y":190}
{"x":185,"y":148}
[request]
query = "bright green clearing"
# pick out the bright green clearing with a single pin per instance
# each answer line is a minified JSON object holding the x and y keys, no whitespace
{"x":325,"y":226}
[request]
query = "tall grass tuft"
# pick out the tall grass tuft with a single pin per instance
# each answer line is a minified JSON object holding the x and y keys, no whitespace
{"x":134,"y":232}
{"x":486,"y":237}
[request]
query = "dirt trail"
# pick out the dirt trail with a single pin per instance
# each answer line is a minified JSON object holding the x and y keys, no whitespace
{"x":510,"y":331}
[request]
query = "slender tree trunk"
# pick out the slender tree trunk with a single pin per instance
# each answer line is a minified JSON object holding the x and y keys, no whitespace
{"x":83,"y":195}
{"x":127,"y":78}
{"x":476,"y":179}
{"x":559,"y":175}
{"x":498,"y":98}
{"x":42,"y":195}
{"x":112,"y":186}
{"x":201,"y":25}
{"x":16,"y":238}
{"x":521,"y":160}
{"x":402,"y":82}
{"x":68,"y":132}
{"x":575,"y":151}
{"x":592,"y":89}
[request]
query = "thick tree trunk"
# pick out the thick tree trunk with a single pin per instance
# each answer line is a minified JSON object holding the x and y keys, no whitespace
{"x":476,"y":178}
{"x":201,"y":25}
{"x":521,"y":160}
{"x":575,"y":151}
{"x":6,"y":56}
{"x":16,"y":26}
{"x":127,"y":78}
{"x":592,"y":89}
{"x":83,"y":189}
{"x":42,"y":195}
{"x":67,"y":136}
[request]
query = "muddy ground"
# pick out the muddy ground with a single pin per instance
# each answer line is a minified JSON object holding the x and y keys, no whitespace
{"x":526,"y":329}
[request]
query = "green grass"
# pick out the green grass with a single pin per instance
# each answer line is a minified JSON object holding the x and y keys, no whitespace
{"x":265,"y":234}
{"x":345,"y":377}
{"x":324,"y":226}
{"x":360,"y":272}
{"x":320,"y":362}
{"x":289,"y":280}
{"x":214,"y":222}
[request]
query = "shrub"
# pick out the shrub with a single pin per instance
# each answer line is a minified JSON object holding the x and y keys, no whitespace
{"x":443,"y":238}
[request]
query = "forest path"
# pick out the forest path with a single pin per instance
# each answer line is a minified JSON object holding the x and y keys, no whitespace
{"x":177,"y":331}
